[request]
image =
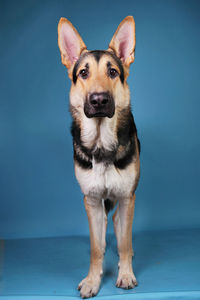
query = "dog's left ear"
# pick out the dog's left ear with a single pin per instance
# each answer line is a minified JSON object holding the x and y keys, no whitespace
{"x":123,"y":41}
{"x":70,"y":43}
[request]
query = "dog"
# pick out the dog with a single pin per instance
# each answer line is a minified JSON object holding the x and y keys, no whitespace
{"x":105,"y":142}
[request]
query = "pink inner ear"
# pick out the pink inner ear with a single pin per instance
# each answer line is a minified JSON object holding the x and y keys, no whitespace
{"x":125,"y":41}
{"x":123,"y":50}
{"x":70,"y":43}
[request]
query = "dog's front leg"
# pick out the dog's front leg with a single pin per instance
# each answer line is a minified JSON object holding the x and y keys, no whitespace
{"x":123,"y":220}
{"x":89,"y":286}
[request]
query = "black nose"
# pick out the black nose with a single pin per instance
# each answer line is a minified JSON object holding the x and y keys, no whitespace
{"x":99,"y":100}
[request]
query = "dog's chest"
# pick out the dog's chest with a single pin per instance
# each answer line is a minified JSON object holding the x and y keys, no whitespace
{"x":103,"y":180}
{"x":98,"y":135}
{"x":106,"y":181}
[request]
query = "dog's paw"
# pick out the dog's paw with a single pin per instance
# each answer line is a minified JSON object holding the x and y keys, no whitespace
{"x":89,"y":286}
{"x":126,"y":281}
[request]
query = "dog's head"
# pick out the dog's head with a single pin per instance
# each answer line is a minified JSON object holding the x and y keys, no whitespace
{"x":98,"y":77}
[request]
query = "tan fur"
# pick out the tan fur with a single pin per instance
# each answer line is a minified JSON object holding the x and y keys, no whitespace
{"x":64,"y":56}
{"x":96,"y":247}
{"x":93,"y":135}
{"x":123,"y":230}
{"x":114,"y":44}
{"x":99,"y":81}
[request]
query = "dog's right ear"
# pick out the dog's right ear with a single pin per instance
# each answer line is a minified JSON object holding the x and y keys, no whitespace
{"x":70,"y":43}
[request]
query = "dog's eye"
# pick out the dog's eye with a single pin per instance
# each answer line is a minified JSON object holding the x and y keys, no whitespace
{"x":84,"y":73}
{"x":112,"y":73}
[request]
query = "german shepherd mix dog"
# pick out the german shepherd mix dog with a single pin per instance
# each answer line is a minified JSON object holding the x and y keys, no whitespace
{"x":106,"y":146}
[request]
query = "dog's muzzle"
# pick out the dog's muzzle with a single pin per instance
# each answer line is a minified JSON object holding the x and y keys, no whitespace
{"x":99,"y":105}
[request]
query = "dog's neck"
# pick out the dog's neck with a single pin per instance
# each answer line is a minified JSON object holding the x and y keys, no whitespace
{"x":104,"y":140}
{"x":98,"y":133}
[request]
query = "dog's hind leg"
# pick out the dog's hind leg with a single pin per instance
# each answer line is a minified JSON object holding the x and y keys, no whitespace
{"x":123,"y":219}
{"x":89,"y":286}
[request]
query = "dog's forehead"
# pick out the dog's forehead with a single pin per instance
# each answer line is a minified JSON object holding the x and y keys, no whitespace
{"x":98,"y":56}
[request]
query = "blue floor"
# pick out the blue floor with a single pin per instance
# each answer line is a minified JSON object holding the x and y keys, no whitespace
{"x":166,"y":264}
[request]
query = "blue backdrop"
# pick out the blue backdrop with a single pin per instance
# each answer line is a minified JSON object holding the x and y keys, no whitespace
{"x":39,"y":195}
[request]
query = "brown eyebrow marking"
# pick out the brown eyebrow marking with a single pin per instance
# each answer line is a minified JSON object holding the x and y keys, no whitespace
{"x":97,"y":54}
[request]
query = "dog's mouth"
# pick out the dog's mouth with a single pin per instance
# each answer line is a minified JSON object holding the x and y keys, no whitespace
{"x":99,"y":105}
{"x":100,"y":114}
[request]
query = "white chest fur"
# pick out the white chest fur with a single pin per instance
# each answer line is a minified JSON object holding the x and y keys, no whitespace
{"x":98,"y":133}
{"x":103,"y":181}
{"x":106,"y":181}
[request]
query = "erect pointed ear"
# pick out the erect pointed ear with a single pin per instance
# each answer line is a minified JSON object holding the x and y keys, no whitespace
{"x":70,"y":43}
{"x":123,"y":41}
